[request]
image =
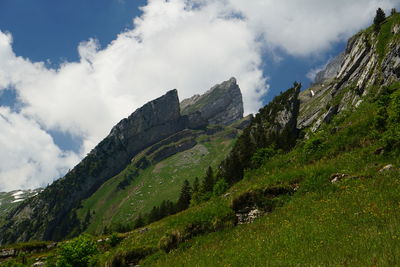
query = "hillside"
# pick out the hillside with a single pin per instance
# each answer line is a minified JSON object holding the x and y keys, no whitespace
{"x":311,"y":181}
{"x":149,"y":135}
{"x":10,"y":200}
{"x":112,"y":207}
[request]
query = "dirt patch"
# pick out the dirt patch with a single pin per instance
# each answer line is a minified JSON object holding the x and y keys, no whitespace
{"x":192,"y":156}
{"x":158,"y":167}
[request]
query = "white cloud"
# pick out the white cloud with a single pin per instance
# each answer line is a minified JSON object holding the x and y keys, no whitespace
{"x":304,"y":27}
{"x":28,"y":156}
{"x":188,"y":45}
{"x":171,"y":46}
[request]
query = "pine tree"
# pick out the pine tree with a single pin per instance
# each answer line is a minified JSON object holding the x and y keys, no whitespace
{"x":154,"y":214}
{"x":379,"y":18}
{"x":185,"y":196}
{"x":208,"y":182}
{"x":139,"y":222}
{"x":196,"y":185}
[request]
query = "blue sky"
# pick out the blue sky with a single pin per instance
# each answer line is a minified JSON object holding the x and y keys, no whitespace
{"x":70,"y":70}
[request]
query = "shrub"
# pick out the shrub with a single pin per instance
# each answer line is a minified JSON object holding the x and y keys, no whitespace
{"x":78,"y":252}
{"x":313,"y":147}
{"x":114,"y":239}
{"x":170,"y":241}
{"x":261,"y":155}
{"x":220,"y":187}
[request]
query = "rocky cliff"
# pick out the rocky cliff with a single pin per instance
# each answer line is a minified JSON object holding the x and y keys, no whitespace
{"x":48,"y":215}
{"x":370,"y":61}
{"x":274,"y":126}
{"x":51,"y":214}
{"x":222,"y":104}
{"x":331,"y":69}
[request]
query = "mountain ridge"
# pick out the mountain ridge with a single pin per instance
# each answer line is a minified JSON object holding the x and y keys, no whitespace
{"x":148,"y":125}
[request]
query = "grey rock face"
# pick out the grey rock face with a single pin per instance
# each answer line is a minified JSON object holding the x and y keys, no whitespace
{"x":222,"y":104}
{"x":331,"y":69}
{"x":51,"y":216}
{"x":48,"y":215}
{"x":151,"y":123}
{"x":362,"y":68}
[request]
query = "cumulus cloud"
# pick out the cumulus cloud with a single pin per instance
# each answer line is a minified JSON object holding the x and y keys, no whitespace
{"x":305,"y":27}
{"x":185,"y":44}
{"x":171,"y":46}
{"x":28,"y":155}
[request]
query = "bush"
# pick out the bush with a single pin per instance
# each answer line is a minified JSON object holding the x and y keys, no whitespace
{"x":114,"y":239}
{"x":313,"y":147}
{"x":78,"y":252}
{"x":261,"y":155}
{"x":220,"y":187}
{"x":391,"y":138}
{"x":170,"y":241}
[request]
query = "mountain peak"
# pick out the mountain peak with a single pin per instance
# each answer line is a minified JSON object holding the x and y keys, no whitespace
{"x":222,"y":104}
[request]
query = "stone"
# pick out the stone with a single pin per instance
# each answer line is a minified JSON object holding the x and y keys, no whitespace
{"x":379,"y":151}
{"x":387,"y":168}
{"x":337,"y":177}
{"x":248,"y":217}
{"x":143,"y":230}
{"x":38,"y":263}
{"x":5,"y":253}
{"x":226,"y":195}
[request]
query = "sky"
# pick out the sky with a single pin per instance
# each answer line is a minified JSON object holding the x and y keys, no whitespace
{"x":70,"y":70}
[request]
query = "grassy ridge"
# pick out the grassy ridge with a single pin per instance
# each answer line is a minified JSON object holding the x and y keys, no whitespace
{"x":352,"y":222}
{"x":155,"y":184}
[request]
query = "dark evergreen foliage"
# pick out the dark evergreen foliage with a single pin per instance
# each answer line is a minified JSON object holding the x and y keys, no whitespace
{"x":185,"y":196}
{"x":264,"y":131}
{"x":208,"y":182}
{"x":379,"y":18}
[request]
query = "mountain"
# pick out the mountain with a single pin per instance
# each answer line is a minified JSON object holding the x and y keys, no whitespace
{"x":151,"y":134}
{"x":311,"y":180}
{"x":9,"y":200}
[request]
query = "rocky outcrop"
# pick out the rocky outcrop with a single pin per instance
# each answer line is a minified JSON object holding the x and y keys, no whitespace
{"x":222,"y":104}
{"x":369,"y":61}
{"x":331,"y":69}
{"x":50,"y":216}
{"x":158,"y":128}
{"x":274,"y":126}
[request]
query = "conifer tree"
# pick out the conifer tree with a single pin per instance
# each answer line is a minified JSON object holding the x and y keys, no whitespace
{"x":379,"y":18}
{"x":154,"y":214}
{"x":185,"y":196}
{"x":196,"y":185}
{"x":208,"y":182}
{"x":139,"y":222}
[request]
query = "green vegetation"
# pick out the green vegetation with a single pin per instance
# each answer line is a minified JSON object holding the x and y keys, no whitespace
{"x":379,"y":18}
{"x":330,"y":199}
{"x":385,"y":35}
{"x":78,"y":252}
{"x":116,"y":209}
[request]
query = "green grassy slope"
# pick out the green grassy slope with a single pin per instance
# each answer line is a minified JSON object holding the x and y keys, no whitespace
{"x":162,"y":181}
{"x":353,"y":222}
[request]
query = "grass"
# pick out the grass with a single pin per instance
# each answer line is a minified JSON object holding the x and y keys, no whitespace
{"x":162,"y":181}
{"x":355,"y":225}
{"x":352,"y":223}
{"x":385,"y":35}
